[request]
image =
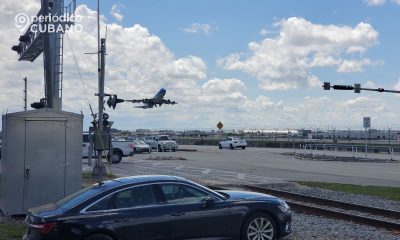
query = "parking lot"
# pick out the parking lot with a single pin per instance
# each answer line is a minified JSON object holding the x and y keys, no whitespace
{"x":258,"y":165}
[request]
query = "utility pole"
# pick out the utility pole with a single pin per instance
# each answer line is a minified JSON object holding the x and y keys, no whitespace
{"x":25,"y":93}
{"x":99,"y":169}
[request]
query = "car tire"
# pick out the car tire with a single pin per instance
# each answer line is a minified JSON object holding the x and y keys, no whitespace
{"x":99,"y":237}
{"x":160,"y":148}
{"x":231,"y":146}
{"x":116,"y":156}
{"x":243,"y":148}
{"x":259,"y":222}
{"x":174,"y":149}
{"x":220,"y":146}
{"x":135,"y":150}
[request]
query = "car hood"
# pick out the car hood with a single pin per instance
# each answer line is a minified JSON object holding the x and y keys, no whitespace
{"x":244,"y":195}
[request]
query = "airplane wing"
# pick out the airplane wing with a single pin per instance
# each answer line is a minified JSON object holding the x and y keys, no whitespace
{"x":168,"y":102}
{"x":144,"y":100}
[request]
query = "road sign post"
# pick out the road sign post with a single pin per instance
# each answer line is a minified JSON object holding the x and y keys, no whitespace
{"x":367,"y":125}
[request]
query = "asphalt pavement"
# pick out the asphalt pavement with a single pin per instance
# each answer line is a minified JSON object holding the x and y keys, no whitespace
{"x":262,"y":165}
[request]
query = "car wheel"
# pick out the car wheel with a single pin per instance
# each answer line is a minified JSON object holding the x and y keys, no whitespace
{"x":220,"y":146}
{"x":174,"y":149}
{"x":243,"y":148}
{"x":99,"y":237}
{"x":231,"y":146}
{"x":259,"y":226}
{"x":116,"y":156}
{"x":135,"y":150}
{"x":159,"y":148}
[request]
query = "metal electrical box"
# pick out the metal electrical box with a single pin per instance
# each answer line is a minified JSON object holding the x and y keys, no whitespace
{"x":41,"y":158}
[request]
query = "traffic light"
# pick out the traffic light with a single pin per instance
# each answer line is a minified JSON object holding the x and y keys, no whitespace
{"x":40,"y":104}
{"x":327,"y":86}
{"x":113,"y":100}
{"x":357,"y":88}
{"x":17,"y":48}
{"x":343,"y":87}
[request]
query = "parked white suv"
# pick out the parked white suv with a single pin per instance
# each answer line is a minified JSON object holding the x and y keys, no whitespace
{"x":232,"y":143}
{"x":162,"y":143}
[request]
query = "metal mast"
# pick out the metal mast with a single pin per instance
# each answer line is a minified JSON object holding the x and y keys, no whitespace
{"x":50,"y":43}
{"x":25,"y":93}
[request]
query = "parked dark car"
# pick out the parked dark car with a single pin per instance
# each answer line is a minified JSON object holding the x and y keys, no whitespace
{"x":159,"y":207}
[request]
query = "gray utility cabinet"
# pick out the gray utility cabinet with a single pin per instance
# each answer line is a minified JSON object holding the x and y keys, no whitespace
{"x":41,"y":158}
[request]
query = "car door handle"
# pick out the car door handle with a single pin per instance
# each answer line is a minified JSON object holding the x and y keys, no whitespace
{"x":177,"y":214}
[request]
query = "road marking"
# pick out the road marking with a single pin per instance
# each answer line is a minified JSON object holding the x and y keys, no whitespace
{"x":206,"y":171}
{"x":139,"y":161}
{"x":179,"y":167}
{"x":156,"y":164}
{"x":241,"y":176}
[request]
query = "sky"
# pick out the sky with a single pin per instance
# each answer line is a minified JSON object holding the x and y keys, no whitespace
{"x":248,"y":64}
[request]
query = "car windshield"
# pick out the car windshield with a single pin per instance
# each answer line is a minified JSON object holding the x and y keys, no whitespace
{"x":164,"y":138}
{"x":80,"y":196}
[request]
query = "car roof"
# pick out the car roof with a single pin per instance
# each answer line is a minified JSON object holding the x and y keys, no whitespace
{"x":140,"y":179}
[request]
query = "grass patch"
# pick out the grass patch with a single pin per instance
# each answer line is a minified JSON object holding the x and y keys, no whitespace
{"x":392,"y":193}
{"x":12,"y":231}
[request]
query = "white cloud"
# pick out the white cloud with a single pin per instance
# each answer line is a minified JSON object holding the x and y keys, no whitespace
{"x":284,"y":62}
{"x":356,"y":65}
{"x":375,"y":2}
{"x":397,"y":86}
{"x":198,"y":28}
{"x":380,"y":2}
{"x":265,"y":32}
{"x":369,"y":84}
{"x":116,"y":12}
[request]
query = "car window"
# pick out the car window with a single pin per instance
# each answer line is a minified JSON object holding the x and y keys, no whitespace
{"x":164,"y":138}
{"x":176,"y":193}
{"x":79,"y":196}
{"x":132,"y":197}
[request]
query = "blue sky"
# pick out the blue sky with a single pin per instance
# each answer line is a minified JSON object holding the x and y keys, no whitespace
{"x":246,"y":63}
{"x":236,"y":23}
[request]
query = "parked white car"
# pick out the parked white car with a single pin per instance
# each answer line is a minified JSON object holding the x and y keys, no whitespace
{"x":162,"y":143}
{"x":121,"y":148}
{"x":232,"y":143}
{"x":140,"y":146}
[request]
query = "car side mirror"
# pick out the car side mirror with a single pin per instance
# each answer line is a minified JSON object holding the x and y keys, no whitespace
{"x":208,"y":201}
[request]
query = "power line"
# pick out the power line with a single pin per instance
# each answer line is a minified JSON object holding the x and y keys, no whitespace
{"x":79,"y":73}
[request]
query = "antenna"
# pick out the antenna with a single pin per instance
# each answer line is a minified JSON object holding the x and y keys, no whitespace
{"x":25,"y":93}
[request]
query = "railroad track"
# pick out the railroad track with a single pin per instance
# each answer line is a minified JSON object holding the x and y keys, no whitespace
{"x":376,"y":217}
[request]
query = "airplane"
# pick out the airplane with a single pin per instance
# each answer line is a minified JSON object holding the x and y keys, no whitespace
{"x":158,"y":99}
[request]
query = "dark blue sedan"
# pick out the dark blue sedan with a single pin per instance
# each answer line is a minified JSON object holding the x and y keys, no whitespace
{"x":159,"y":207}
